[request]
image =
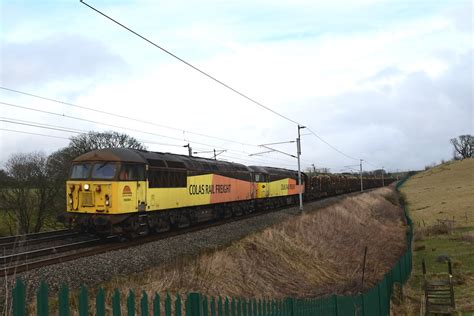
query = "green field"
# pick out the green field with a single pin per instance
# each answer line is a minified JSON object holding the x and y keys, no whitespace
{"x":441,"y":204}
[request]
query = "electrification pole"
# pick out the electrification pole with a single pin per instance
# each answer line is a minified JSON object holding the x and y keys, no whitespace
{"x":190,"y":150}
{"x":361,"y":182}
{"x":298,"y":151}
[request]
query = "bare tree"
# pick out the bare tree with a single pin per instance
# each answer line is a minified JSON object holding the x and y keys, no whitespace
{"x":4,"y":179}
{"x":463,"y":146}
{"x":30,"y":191}
{"x":98,"y":140}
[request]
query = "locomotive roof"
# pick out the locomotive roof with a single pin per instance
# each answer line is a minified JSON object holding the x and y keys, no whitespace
{"x":274,"y":170}
{"x":158,"y":159}
{"x":112,"y":154}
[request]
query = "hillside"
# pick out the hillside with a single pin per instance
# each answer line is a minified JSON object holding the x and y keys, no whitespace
{"x":317,"y":253}
{"x":441,"y":204}
{"x":443,"y":193}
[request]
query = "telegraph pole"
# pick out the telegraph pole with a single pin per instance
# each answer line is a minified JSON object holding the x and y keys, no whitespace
{"x":361,"y":182}
{"x":298,"y":151}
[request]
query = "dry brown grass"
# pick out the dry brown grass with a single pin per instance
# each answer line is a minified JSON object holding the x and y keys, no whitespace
{"x":442,"y":193}
{"x":317,"y":253}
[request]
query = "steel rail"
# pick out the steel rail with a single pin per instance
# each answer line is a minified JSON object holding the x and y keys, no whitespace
{"x":103,"y":248}
{"x":49,"y":251}
{"x":107,"y":246}
{"x":28,"y":242}
{"x":10,"y":239}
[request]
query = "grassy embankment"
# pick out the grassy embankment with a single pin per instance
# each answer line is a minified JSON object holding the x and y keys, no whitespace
{"x":441,"y":204}
{"x":317,"y":253}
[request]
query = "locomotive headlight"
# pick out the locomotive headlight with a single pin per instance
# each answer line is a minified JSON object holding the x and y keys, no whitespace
{"x":107,"y":201}
{"x":86,"y":187}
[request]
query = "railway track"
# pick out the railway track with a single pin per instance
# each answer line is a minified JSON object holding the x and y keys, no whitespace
{"x":34,"y":259}
{"x":29,"y":260}
{"x":9,"y":243}
{"x":11,"y":239}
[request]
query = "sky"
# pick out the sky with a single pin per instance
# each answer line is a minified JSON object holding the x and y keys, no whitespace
{"x":389,"y":82}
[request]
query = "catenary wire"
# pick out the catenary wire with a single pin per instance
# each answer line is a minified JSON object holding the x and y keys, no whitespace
{"x":120,"y":127}
{"x":137,"y":120}
{"x":123,"y":116}
{"x":190,"y":65}
{"x":161,"y":125}
{"x":31,"y":133}
{"x":63,"y":129}
{"x":78,"y":131}
{"x":214,"y":78}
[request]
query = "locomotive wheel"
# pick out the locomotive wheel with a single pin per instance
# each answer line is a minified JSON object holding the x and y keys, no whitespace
{"x":162,"y":226}
{"x":183,"y":221}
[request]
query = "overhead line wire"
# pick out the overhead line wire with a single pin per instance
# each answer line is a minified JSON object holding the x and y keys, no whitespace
{"x":214,"y":78}
{"x":97,"y":122}
{"x":122,"y":116}
{"x":78,"y":131}
{"x":37,"y":134}
{"x":66,"y":138}
{"x":327,"y":143}
{"x":67,"y":130}
{"x":190,"y":65}
{"x":138,"y":120}
{"x":120,"y":127}
{"x":193,"y":67}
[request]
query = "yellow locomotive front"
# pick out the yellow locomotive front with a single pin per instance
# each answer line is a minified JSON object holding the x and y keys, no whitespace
{"x":105,"y":188}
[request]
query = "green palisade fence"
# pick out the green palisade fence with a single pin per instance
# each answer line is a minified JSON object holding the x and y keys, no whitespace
{"x":375,"y":301}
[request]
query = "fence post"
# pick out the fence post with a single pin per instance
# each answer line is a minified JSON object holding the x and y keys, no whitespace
{"x":116,"y":310}
{"x":254,"y":307}
{"x":156,"y":305}
{"x":220,"y":310}
{"x":42,"y":300}
{"x":226,"y":307}
{"x":83,"y":302}
{"x":177,"y":305}
{"x":144,"y":304}
{"x":289,"y":306}
{"x":100,"y":303}
{"x":167,"y":305}
{"x":239,"y":307}
{"x":232,"y":307}
{"x":131,"y":303}
{"x":19,"y":305}
{"x":335,"y":305}
{"x":63,"y":298}
{"x":194,"y":304}
{"x":205,"y":306}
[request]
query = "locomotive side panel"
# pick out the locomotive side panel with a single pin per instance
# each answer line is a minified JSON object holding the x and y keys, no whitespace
{"x":200,"y":190}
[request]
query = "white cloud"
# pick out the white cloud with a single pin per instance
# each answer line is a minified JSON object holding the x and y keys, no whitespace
{"x":363,"y":90}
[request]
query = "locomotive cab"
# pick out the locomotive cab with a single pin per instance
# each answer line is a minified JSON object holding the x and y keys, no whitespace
{"x":103,"y":188}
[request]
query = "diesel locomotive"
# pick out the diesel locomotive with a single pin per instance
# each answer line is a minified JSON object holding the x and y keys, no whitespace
{"x":133,"y":192}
